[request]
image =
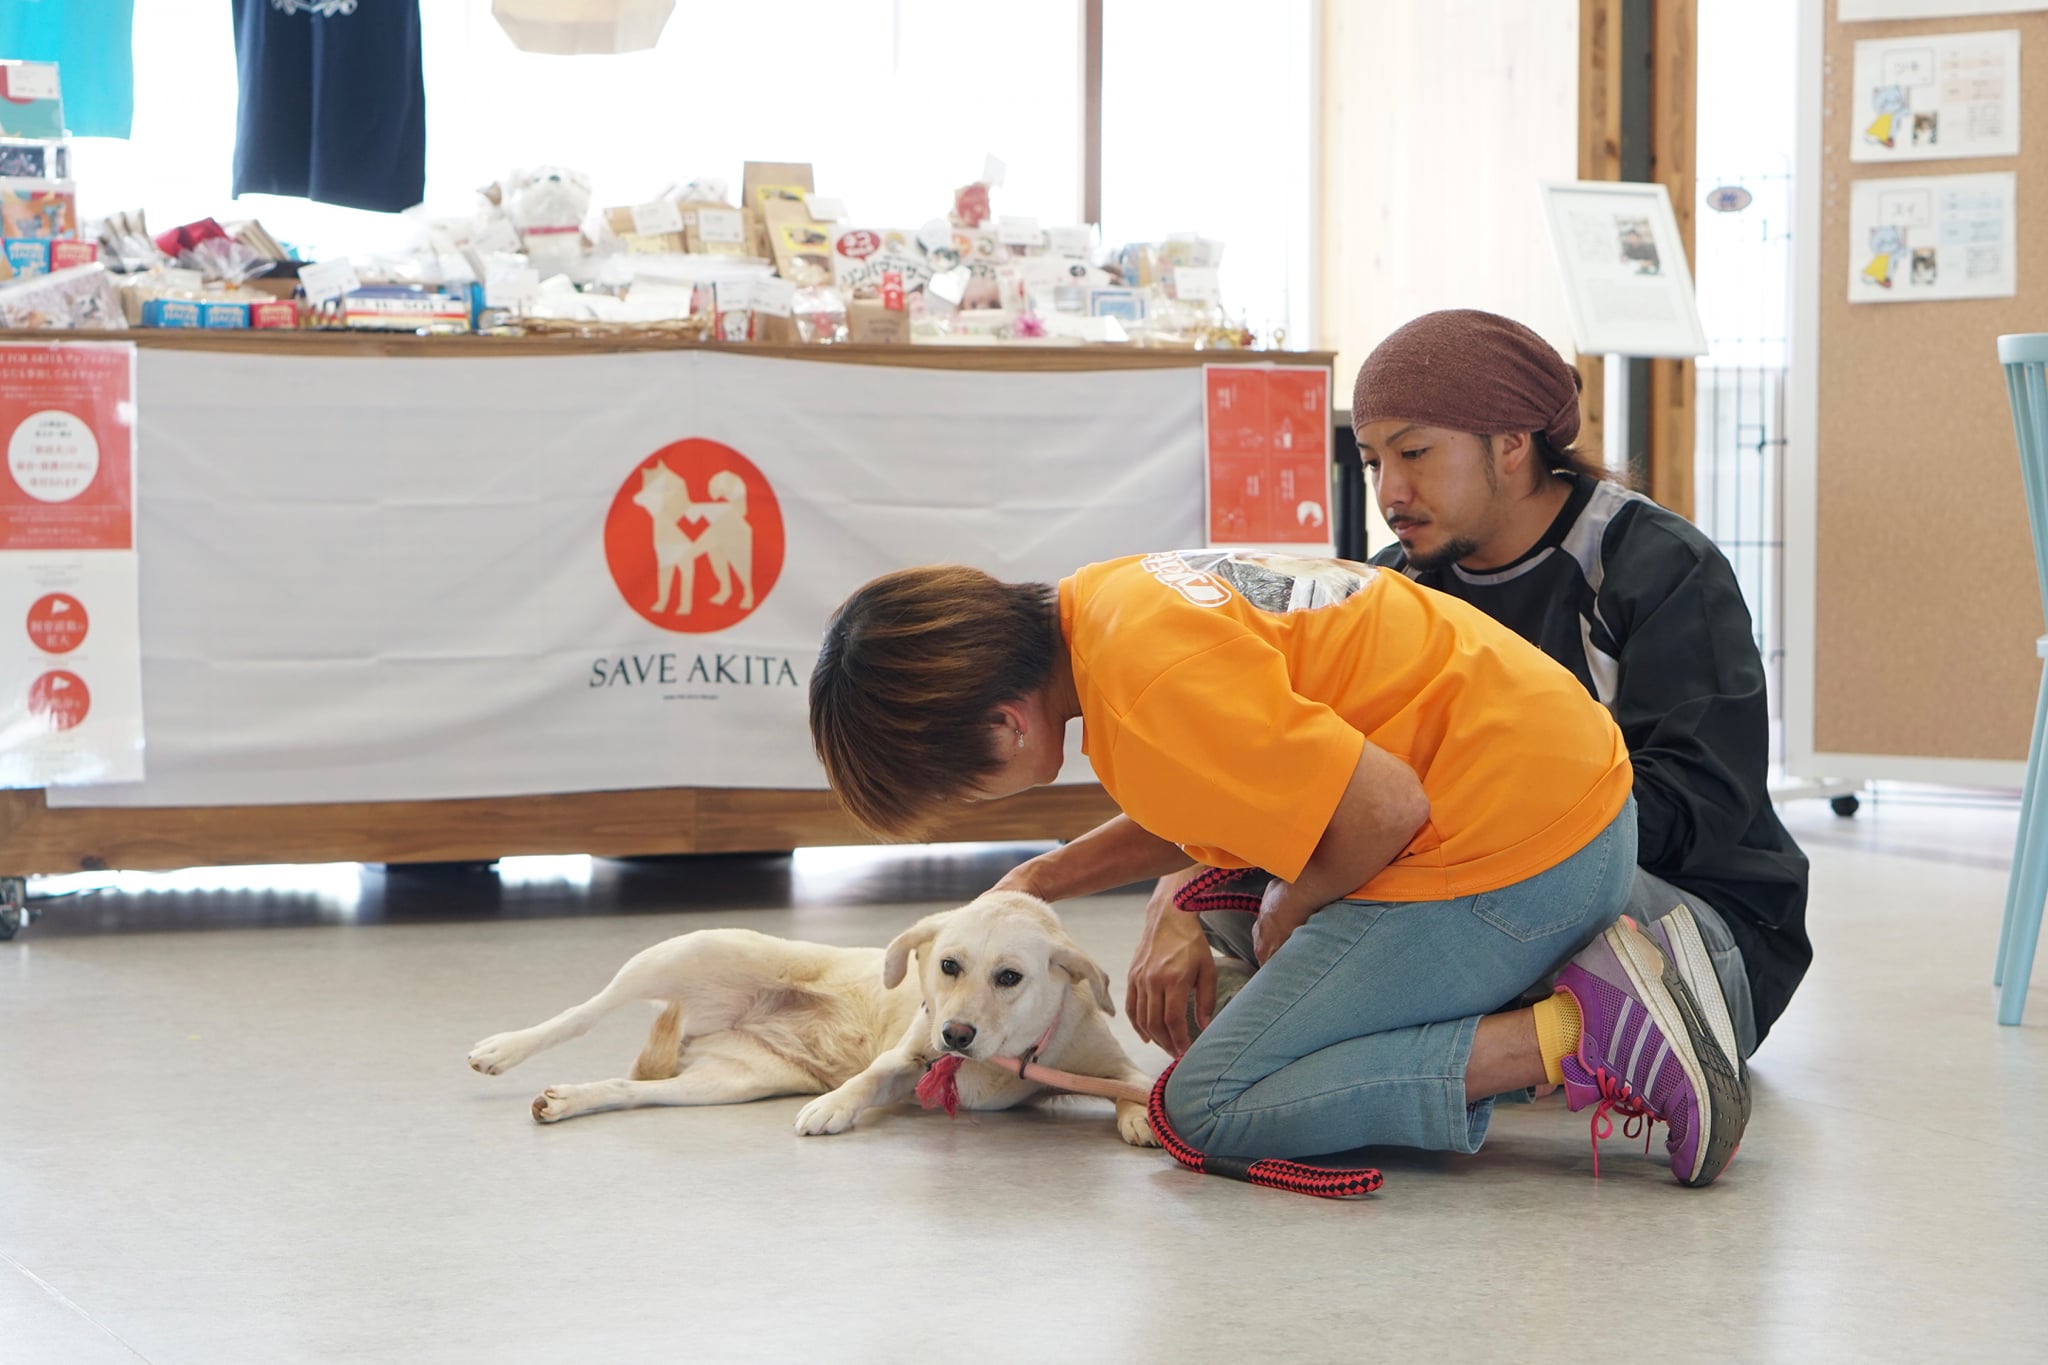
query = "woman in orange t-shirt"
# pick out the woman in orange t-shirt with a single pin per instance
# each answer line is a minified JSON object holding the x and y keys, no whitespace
{"x":1442,"y":814}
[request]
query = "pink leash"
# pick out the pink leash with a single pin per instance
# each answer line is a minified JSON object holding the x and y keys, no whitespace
{"x":939,"y":1087}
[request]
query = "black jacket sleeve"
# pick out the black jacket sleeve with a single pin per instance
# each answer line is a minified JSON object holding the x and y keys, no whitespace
{"x":1689,"y":692}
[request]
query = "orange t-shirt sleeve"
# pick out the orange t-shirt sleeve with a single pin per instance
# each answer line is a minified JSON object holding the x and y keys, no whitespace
{"x":1221,"y":755}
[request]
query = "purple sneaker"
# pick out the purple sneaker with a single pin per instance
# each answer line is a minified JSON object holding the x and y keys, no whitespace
{"x":1647,"y":1052}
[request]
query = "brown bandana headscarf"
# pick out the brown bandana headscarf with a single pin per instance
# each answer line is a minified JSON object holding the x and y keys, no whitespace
{"x":1469,"y":371}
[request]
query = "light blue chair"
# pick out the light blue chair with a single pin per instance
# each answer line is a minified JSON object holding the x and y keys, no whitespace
{"x":2025,"y":358}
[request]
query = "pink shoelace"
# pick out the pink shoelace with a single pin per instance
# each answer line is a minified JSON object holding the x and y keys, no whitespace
{"x":1620,"y":1097}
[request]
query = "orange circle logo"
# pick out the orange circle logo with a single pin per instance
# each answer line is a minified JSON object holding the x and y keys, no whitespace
{"x":694,"y":537}
{"x":59,"y":699}
{"x":57,"y":623}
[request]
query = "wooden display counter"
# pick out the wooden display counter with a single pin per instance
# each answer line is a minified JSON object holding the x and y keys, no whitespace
{"x":36,"y":838}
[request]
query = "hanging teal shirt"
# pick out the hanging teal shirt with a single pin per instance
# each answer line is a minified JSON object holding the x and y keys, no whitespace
{"x":92,"y":42}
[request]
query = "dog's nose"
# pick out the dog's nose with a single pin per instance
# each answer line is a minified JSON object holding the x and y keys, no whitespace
{"x":957,"y":1035}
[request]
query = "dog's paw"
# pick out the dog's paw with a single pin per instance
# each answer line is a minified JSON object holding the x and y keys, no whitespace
{"x":554,"y":1104}
{"x":500,"y":1053}
{"x":1134,"y":1127}
{"x":833,"y":1113}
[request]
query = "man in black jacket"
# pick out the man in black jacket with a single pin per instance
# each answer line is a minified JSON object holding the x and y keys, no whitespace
{"x":1632,"y":598}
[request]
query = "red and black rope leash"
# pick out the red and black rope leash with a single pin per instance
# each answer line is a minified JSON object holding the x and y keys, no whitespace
{"x":1243,"y":889}
{"x":1325,"y":1182}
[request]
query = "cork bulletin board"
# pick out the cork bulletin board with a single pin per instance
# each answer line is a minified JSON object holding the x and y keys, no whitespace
{"x":1912,"y":607}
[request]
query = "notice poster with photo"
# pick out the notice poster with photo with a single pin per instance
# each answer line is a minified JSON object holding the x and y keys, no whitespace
{"x":1931,"y":238}
{"x":70,"y":636}
{"x":1937,"y":96}
{"x":1625,"y":274}
{"x":1266,"y":430}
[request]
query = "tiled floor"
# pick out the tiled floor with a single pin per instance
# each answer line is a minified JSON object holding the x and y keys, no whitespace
{"x":238,"y":1128}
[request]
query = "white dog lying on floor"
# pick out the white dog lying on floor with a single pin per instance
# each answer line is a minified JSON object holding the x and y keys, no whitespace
{"x":749,"y":1016}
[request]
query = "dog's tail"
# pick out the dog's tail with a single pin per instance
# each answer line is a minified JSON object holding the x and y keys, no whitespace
{"x":663,"y":1055}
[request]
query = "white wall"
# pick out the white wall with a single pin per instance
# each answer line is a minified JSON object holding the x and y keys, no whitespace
{"x":1440,"y":120}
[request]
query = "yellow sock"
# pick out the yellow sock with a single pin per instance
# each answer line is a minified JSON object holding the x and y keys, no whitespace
{"x":1557,"y":1033}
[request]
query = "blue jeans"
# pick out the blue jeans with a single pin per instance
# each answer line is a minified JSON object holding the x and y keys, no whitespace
{"x":1357,"y":1032}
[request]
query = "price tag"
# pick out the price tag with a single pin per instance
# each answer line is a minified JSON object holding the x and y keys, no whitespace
{"x":776,"y":298}
{"x":652,"y":220}
{"x":1019,"y":232}
{"x":31,"y":80}
{"x":326,"y":280}
{"x":823,"y":210}
{"x":1196,"y":284}
{"x":892,"y":290}
{"x":993,"y":171}
{"x":734,"y":296}
{"x":1077,"y":243}
{"x":951,"y":286}
{"x":511,"y":286}
{"x":727,"y":226}
{"x":497,"y":236}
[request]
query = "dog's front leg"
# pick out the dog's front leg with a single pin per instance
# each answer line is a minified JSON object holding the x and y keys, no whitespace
{"x":888,"y":1078}
{"x":1133,"y":1123}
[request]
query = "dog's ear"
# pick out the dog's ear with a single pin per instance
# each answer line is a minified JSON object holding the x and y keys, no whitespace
{"x":915,"y":939}
{"x":1068,"y":957}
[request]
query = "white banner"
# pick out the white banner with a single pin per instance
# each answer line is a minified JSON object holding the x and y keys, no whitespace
{"x":70,"y":655}
{"x":391,"y":579}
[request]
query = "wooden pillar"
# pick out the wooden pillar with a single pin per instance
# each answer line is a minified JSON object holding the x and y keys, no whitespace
{"x":1599,"y":159}
{"x":1623,"y":135}
{"x":1091,"y":111}
{"x":1674,"y":64}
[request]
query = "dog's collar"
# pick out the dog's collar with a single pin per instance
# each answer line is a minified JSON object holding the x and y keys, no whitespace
{"x":1031,"y":1053}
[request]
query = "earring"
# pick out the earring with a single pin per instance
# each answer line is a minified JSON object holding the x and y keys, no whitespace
{"x":1020,"y":739}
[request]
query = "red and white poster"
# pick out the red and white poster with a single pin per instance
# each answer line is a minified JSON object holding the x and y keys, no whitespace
{"x":1267,"y":433}
{"x":70,"y":638}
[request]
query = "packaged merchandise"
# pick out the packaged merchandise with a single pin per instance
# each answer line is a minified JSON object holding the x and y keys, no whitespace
{"x":81,"y":297}
{"x":39,"y":256}
{"x":801,"y":246}
{"x":396,"y":308}
{"x":862,"y":256}
{"x":172,"y":313}
{"x":776,"y":182}
{"x":775,"y":264}
{"x":22,"y":159}
{"x":31,"y":102}
{"x":38,"y":208}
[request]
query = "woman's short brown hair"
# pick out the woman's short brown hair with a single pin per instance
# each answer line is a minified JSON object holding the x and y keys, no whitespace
{"x":908,"y":679}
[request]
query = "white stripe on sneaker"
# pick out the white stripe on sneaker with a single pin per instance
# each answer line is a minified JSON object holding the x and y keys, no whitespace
{"x":1629,"y":1072}
{"x":1688,"y":949}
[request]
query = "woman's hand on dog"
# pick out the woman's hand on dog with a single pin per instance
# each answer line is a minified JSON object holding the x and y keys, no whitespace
{"x":1172,"y":963}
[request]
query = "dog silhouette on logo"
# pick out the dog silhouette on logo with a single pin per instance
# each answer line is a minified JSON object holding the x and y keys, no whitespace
{"x":727,"y":540}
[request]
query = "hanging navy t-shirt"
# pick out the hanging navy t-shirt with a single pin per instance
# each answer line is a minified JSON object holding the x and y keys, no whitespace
{"x":333,"y":102}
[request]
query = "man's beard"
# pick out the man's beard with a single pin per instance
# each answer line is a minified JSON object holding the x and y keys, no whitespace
{"x":1444,"y":555}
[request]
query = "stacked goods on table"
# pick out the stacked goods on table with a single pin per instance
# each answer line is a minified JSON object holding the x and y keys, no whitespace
{"x":777,"y":264}
{"x":48,"y":277}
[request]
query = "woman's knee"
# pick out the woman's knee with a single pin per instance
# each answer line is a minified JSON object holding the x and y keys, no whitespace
{"x":1196,"y":1098}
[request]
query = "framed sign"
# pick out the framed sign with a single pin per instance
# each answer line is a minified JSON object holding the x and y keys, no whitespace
{"x":1623,"y":262}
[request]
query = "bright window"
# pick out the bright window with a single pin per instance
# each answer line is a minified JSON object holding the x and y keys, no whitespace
{"x":1207,"y":119}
